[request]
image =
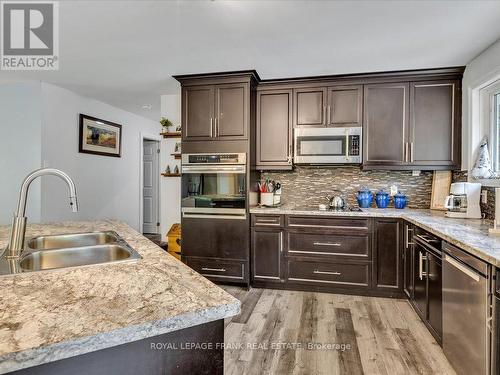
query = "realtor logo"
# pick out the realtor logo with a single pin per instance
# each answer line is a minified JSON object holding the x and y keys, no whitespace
{"x":30,"y":35}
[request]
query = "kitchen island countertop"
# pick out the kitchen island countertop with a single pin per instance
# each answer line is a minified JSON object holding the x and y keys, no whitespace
{"x":52,"y":315}
{"x":468,"y":234}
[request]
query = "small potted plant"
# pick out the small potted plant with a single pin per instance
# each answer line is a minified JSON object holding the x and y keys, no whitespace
{"x":166,"y":123}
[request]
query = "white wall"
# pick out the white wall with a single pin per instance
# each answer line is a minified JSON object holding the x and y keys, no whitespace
{"x":480,"y":72}
{"x":20,"y":146}
{"x":107,"y":187}
{"x":170,"y":186}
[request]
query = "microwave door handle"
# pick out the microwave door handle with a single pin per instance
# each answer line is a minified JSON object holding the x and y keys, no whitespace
{"x":346,"y":146}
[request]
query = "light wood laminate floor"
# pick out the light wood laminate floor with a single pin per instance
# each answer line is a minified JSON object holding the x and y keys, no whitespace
{"x":385,"y":335}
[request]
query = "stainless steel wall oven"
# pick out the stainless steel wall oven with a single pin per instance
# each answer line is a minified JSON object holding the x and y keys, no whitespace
{"x":214,"y":185}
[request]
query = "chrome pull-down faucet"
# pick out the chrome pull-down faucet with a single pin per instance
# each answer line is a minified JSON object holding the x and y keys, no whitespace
{"x":16,"y":243}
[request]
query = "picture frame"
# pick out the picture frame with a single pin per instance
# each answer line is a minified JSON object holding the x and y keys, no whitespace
{"x":99,"y":137}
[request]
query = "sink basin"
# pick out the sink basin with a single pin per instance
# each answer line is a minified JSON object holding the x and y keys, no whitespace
{"x":72,"y":240}
{"x":76,"y":256}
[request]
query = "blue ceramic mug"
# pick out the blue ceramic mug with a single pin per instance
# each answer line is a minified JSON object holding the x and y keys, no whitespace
{"x":400,"y":201}
{"x":382,"y":198}
{"x":365,"y":198}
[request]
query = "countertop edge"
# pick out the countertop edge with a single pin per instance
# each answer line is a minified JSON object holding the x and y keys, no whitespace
{"x":67,"y":349}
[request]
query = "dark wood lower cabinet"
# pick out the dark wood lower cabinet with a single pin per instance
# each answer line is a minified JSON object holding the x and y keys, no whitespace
{"x":158,"y":355}
{"x":330,"y":254}
{"x":267,"y":247}
{"x":387,"y":265}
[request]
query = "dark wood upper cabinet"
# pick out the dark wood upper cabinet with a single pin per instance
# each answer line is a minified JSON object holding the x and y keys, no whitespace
{"x":274,"y":129}
{"x":267,"y":246}
{"x":310,"y":106}
{"x":385,"y":124}
{"x":197,"y":112}
{"x":434,"y":126}
{"x":231,"y":104}
{"x":345,"y":105}
{"x":388,"y":273}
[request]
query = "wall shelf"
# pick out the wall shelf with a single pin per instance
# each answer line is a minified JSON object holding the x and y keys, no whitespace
{"x":171,"y":134}
{"x":171,"y":174}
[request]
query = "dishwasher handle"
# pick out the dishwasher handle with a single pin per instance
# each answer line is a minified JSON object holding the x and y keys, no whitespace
{"x":461,"y":267}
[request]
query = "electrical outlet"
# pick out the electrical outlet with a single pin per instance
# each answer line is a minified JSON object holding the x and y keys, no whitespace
{"x":415,"y":173}
{"x":484,"y":196}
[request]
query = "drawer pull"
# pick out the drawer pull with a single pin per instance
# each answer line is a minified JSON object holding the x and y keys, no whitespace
{"x":327,"y":244}
{"x":326,"y":273}
{"x":266,"y":220}
{"x":213,"y":269}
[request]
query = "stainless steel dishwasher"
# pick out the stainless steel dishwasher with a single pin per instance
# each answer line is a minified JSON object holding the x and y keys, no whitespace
{"x":466,"y":311}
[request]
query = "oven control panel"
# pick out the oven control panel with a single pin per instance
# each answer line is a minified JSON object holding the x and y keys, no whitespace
{"x":225,"y":158}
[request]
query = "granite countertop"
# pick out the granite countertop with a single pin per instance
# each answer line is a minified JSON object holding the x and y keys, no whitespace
{"x":470,"y":235}
{"x":51,"y":315}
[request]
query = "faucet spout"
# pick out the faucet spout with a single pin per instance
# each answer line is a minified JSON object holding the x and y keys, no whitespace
{"x":16,"y":243}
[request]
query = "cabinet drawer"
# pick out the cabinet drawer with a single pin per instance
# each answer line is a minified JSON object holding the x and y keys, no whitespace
{"x":259,"y":220}
{"x":315,"y":222}
{"x":218,"y":269}
{"x":344,"y":274}
{"x":300,"y":243}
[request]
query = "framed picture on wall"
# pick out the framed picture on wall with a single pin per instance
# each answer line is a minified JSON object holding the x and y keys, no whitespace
{"x":100,"y":137}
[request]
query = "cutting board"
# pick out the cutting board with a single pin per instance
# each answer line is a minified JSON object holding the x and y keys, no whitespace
{"x":441,"y":182}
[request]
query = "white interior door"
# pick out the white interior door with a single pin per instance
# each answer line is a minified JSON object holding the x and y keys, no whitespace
{"x":150,"y":205}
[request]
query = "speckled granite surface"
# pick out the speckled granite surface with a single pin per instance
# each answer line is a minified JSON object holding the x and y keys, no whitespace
{"x":51,"y":315}
{"x":468,"y":234}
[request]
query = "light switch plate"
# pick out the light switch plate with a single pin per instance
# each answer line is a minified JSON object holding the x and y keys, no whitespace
{"x":415,"y":173}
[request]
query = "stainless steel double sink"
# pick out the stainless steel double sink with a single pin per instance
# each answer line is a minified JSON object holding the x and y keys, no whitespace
{"x":70,"y":250}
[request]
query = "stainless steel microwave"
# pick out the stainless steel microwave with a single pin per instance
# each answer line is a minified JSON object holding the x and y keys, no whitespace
{"x":328,"y":145}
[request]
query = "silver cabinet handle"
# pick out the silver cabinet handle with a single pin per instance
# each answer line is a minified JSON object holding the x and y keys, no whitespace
{"x":267,"y":221}
{"x":324,"y":115}
{"x":421,"y":259}
{"x":213,"y":269}
{"x":326,"y":273}
{"x":411,"y":152}
{"x":327,"y":244}
{"x":328,"y":115}
{"x":281,"y":242}
{"x":407,"y":237}
{"x":216,"y":123}
{"x":211,"y":127}
{"x":406,"y":152}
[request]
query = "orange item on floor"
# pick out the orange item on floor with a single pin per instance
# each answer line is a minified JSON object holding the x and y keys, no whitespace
{"x":174,"y":240}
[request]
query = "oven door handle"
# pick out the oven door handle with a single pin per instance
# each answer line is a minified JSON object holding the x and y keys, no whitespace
{"x":214,"y":169}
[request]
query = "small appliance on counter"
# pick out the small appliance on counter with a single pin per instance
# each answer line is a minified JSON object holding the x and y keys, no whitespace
{"x":400,"y":200}
{"x":336,"y":202}
{"x":382,"y":198}
{"x":364,"y":197}
{"x":463,"y":201}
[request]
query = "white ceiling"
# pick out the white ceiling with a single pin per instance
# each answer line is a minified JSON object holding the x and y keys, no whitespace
{"x":125,"y":52}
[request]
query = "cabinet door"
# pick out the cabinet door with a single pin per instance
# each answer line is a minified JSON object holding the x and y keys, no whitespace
{"x":310,"y":106}
{"x":388,"y":272}
{"x":434,"y":123}
{"x":231,"y":105}
{"x":345,"y":106}
{"x":408,"y":260}
{"x":419,"y":280}
{"x":274,"y":129}
{"x":385,"y":124}
{"x":435,"y":292}
{"x":197,"y":112}
{"x":267,"y":246}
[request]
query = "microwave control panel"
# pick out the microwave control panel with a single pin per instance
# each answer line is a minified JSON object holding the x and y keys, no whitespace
{"x":354,"y":146}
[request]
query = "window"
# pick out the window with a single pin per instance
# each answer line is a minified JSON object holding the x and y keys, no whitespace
{"x":489,"y":104}
{"x":495,"y":124}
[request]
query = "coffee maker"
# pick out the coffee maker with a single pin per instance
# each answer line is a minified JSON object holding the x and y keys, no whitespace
{"x":463,"y":201}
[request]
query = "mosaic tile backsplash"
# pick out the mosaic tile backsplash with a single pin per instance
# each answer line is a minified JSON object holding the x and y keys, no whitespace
{"x":308,"y":186}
